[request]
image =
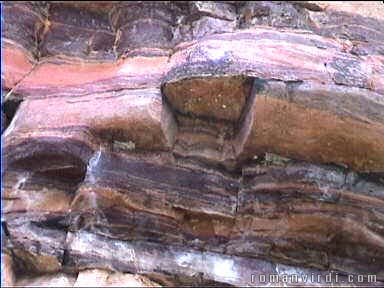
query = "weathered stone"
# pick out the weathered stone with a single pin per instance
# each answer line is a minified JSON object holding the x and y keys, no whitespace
{"x":359,"y":22}
{"x":7,"y":274}
{"x":243,"y":54}
{"x":193,"y":266}
{"x":95,"y":277}
{"x":55,"y":280}
{"x":36,"y":245}
{"x":273,"y":13}
{"x":208,"y":25}
{"x":221,"y":10}
{"x":321,"y":129}
{"x":221,"y":98}
{"x":83,"y":127}
{"x":219,"y":222}
{"x":69,"y":77}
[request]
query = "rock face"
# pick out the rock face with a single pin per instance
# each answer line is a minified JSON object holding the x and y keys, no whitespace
{"x":193,"y":143}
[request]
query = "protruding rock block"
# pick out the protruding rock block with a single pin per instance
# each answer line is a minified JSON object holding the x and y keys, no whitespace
{"x":86,"y":123}
{"x":316,"y":122}
{"x":208,"y":110}
{"x":311,"y":115}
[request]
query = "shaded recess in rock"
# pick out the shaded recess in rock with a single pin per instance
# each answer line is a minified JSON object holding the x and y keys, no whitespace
{"x":9,"y":109}
{"x":46,"y":156}
{"x":209,"y":111}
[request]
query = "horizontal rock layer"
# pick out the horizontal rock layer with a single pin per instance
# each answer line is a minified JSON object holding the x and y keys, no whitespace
{"x":192,"y":142}
{"x":323,"y":115}
{"x":303,"y":214}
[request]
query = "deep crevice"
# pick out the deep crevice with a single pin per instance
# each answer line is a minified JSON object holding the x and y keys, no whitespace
{"x":9,"y":109}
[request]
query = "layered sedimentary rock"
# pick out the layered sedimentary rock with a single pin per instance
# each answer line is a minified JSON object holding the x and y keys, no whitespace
{"x":193,"y":143}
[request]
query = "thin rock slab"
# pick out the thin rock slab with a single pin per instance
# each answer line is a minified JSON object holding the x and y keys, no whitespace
{"x":72,"y":76}
{"x":146,"y":258}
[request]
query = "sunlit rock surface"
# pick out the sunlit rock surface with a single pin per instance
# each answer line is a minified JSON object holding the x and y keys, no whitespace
{"x":193,"y":143}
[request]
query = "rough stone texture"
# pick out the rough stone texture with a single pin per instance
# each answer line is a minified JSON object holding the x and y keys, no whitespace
{"x":55,"y":280}
{"x":7,"y":274}
{"x":86,"y":278}
{"x":192,"y":143}
{"x":94,"y":277}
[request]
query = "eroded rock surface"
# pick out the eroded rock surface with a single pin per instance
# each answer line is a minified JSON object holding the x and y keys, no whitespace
{"x":193,"y":143}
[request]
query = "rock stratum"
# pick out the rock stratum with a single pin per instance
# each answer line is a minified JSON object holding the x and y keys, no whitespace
{"x":192,"y":143}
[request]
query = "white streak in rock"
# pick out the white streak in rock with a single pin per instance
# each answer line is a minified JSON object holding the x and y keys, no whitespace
{"x":184,"y":260}
{"x":92,"y":164}
{"x":224,"y":269}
